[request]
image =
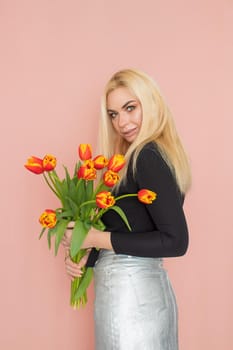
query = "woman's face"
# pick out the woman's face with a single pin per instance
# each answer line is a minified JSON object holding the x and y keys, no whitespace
{"x":125,"y":112}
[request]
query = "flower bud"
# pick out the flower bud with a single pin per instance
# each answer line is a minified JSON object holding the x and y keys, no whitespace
{"x":85,"y":151}
{"x":48,"y":218}
{"x":49,"y":162}
{"x":35,"y":165}
{"x":146,"y":196}
{"x":116,"y":162}
{"x":100,"y":162}
{"x":86,"y":173}
{"x":105,"y":199}
{"x":110,"y":178}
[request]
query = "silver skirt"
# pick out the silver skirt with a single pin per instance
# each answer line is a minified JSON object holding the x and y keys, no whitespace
{"x":135,"y":307}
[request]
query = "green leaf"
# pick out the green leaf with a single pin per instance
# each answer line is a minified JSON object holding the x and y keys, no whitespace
{"x":89,"y":189}
{"x":64,"y":214}
{"x":64,"y":187}
{"x":42,"y":231}
{"x":79,"y":233}
{"x":59,"y":232}
{"x":51,"y":232}
{"x":49,"y":239}
{"x":80,"y":191}
{"x":72,"y":190}
{"x":85,"y":282}
{"x":122,"y":215}
{"x":56,"y":182}
{"x":67,"y":175}
{"x":77,"y":166}
{"x":99,"y":225}
{"x":74,"y":207}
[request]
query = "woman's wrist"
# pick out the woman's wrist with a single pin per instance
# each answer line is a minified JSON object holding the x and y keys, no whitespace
{"x":104,"y":240}
{"x":100,"y":239}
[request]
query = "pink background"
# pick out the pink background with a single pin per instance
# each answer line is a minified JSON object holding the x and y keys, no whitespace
{"x":55,"y":58}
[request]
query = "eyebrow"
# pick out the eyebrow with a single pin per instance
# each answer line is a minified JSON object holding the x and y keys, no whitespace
{"x":125,"y":105}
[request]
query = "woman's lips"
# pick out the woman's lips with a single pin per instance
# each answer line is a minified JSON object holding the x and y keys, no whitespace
{"x":129,"y":132}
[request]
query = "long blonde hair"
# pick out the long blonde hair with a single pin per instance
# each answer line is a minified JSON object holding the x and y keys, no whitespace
{"x":157,"y":126}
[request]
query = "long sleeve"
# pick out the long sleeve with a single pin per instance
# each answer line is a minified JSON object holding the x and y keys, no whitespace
{"x":158,"y":229}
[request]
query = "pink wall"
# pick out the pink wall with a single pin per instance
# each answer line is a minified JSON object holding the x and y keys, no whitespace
{"x":55,"y":58}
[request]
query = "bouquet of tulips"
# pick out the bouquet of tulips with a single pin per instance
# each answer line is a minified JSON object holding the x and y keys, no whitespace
{"x":83,"y":202}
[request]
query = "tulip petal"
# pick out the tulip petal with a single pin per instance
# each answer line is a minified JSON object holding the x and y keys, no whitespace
{"x":35,"y":165}
{"x":49,"y":162}
{"x":116,"y":162}
{"x":105,"y":199}
{"x":146,"y":196}
{"x":85,"y":151}
{"x":48,"y":218}
{"x":110,"y":178}
{"x":100,"y":162}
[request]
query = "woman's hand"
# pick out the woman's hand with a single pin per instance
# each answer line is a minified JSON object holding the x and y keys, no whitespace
{"x":94,"y":238}
{"x":75,"y":269}
{"x":67,"y":236}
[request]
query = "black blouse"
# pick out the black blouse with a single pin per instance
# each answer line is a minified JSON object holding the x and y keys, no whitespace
{"x":158,"y":229}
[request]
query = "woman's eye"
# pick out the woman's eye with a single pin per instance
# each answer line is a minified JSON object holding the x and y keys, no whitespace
{"x":112,"y":115}
{"x":130,"y":108}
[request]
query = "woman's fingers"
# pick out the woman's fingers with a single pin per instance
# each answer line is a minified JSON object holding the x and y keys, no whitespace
{"x":66,"y":239}
{"x":83,"y":261}
{"x":75,"y":269}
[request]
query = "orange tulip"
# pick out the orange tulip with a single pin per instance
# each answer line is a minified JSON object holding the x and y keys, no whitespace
{"x":87,"y":173}
{"x":105,"y":199}
{"x":48,"y":218}
{"x":110,"y":178}
{"x":116,"y":162}
{"x":49,"y":162}
{"x":146,"y":196}
{"x":35,"y":165}
{"x":100,"y":162}
{"x":85,"y":151}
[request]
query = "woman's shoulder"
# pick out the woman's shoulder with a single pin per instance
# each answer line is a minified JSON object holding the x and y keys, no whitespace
{"x":149,"y":149}
{"x":150,"y":157}
{"x":150,"y":161}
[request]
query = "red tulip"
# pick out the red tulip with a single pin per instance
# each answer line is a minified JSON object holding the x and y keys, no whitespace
{"x":100,"y":162}
{"x":146,"y":196}
{"x":35,"y":165}
{"x":48,"y":218}
{"x":49,"y":162}
{"x":85,"y":151}
{"x":87,"y":171}
{"x":105,"y":199}
{"x":116,"y":162}
{"x":110,"y":178}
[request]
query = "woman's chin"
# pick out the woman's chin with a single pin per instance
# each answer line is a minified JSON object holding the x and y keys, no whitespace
{"x":130,"y":137}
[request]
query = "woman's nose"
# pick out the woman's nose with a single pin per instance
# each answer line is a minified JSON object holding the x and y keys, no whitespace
{"x":123,"y":119}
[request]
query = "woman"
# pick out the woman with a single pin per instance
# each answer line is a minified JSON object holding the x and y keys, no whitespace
{"x":135,"y":307}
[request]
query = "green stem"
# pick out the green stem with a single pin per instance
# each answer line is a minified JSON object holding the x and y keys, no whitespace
{"x":97,"y":189}
{"x":86,"y":203}
{"x":98,"y":216}
{"x":78,"y":183}
{"x":126,"y":195}
{"x":102,"y":211}
{"x":50,"y":186}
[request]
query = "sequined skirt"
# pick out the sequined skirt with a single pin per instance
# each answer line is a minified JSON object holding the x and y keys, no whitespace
{"x":135,"y":307}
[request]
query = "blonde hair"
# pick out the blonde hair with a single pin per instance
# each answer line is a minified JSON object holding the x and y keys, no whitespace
{"x":157,"y":126}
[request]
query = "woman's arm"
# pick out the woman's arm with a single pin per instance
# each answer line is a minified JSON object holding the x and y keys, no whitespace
{"x":168,"y":235}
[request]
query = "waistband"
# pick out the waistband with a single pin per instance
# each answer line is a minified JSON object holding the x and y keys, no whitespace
{"x":109,"y":258}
